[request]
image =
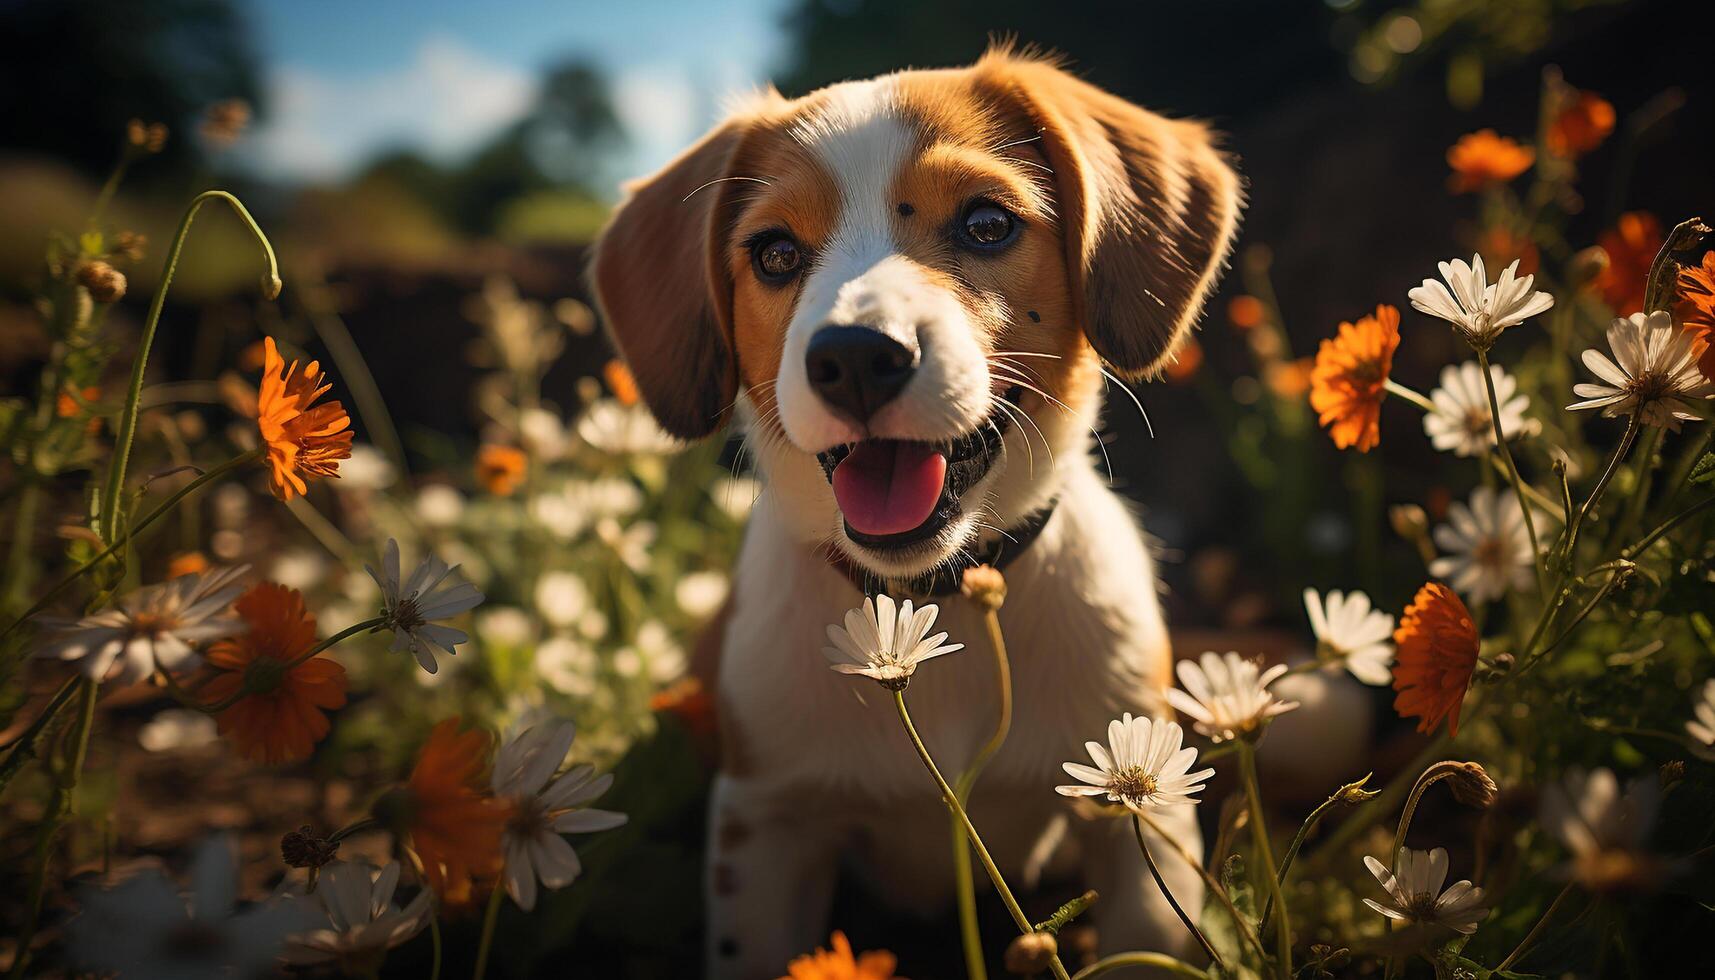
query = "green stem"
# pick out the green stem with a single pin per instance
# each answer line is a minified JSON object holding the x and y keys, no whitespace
{"x":1265,"y":857}
{"x":1161,"y":883}
{"x":1339,"y":842}
{"x":1536,"y":930}
{"x":970,"y":936}
{"x":489,"y":918}
{"x":131,"y":534}
{"x":1292,"y":850}
{"x":1616,"y":573}
{"x":18,"y":571}
{"x":1215,"y":887}
{"x":1430,"y":776}
{"x":126,"y":429}
{"x":24,"y":746}
{"x":63,"y":805}
{"x":1512,"y":473}
{"x":1160,"y":961}
{"x":1667,"y":526}
{"x":976,"y":841}
{"x":1395,"y":388}
{"x":1632,"y":423}
{"x":435,"y":941}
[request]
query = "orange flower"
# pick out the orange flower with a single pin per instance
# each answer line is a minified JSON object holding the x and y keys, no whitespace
{"x":1483,"y":159}
{"x":1501,"y":246}
{"x":500,"y":469}
{"x":1585,"y":119}
{"x":302,"y":440}
{"x":187,"y":563}
{"x":1438,"y":644}
{"x":1697,"y":309}
{"x":69,"y":406}
{"x":1349,"y":380}
{"x":454,"y":825}
{"x":1245,"y":312}
{"x":621,"y":382}
{"x":690,"y":702}
{"x":1631,"y":246}
{"x":839,"y":964}
{"x":1183,"y":366}
{"x":280,"y":718}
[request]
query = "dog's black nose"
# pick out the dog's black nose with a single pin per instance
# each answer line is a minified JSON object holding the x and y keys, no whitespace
{"x":857,"y":370}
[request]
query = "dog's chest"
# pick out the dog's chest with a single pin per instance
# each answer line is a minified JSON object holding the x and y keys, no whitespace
{"x":1085,"y":641}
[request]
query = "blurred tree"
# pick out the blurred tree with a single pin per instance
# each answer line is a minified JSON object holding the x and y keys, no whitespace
{"x":75,"y":72}
{"x":560,"y":149}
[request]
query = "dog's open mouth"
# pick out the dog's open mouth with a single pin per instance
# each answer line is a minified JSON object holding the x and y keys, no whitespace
{"x":894,"y":493}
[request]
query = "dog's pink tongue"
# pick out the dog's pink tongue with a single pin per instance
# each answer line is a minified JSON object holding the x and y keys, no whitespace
{"x":888,"y":487}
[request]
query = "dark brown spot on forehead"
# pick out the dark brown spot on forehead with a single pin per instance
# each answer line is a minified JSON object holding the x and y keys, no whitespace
{"x":906,"y":210}
{"x":1034,"y":316}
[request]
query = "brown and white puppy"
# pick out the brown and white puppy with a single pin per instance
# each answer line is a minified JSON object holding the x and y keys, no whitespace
{"x":906,"y":288}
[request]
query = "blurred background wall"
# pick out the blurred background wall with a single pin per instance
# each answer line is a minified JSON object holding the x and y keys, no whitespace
{"x":402,"y":153}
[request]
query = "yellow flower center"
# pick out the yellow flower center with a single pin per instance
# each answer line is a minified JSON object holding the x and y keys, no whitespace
{"x":1134,"y":784}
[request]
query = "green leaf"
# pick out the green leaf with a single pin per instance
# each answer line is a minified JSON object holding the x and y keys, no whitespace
{"x":1704,"y":471}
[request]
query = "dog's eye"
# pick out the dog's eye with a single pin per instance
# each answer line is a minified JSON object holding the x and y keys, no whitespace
{"x":777,"y":258}
{"x":989,"y":225}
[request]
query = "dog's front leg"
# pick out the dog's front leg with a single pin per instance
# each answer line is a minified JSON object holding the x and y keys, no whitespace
{"x":1132,"y":913}
{"x":768,"y":879}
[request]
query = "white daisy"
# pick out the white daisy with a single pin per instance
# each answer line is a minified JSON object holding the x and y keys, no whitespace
{"x":630,"y":545}
{"x":1656,"y":374}
{"x":561,"y":598}
{"x":625,"y":430}
{"x":1605,"y":829}
{"x":157,"y":626}
{"x":505,"y":626}
{"x":1461,"y":422}
{"x":1478,"y":310}
{"x":1142,"y":766}
{"x":543,"y":433}
{"x":1414,"y":892}
{"x":700,"y":594}
{"x":1229,"y":695}
{"x":144,"y":929}
{"x":411,"y":606}
{"x":439,"y":505}
{"x":544,"y":807}
{"x":886,"y":642}
{"x":360,"y":921}
{"x":1350,"y":632}
{"x":367,"y":468}
{"x":1702,"y":727}
{"x":1488,"y":546}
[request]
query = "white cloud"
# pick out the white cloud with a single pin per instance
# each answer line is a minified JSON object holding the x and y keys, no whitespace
{"x":445,"y":102}
{"x":660,"y":110}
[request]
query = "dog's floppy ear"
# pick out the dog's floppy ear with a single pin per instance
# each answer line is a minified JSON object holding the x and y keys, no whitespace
{"x":1147,"y":204}
{"x":664,"y":292}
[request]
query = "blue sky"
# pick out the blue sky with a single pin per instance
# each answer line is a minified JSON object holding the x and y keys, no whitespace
{"x":347,"y":78}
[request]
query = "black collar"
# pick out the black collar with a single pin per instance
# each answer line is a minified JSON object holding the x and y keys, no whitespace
{"x":947,"y":579}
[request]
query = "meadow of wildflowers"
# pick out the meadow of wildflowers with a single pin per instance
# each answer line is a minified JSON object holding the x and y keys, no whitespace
{"x":493,"y":654}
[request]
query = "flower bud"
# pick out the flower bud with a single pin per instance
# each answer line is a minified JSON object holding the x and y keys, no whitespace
{"x":1470,"y":784}
{"x":105,"y":283}
{"x":224,"y":122}
{"x":148,"y":137}
{"x":1352,"y":794}
{"x":985,"y":586}
{"x":1409,"y":521}
{"x":303,"y":848}
{"x":1587,"y":265}
{"x":128,"y":246}
{"x":1030,"y":954}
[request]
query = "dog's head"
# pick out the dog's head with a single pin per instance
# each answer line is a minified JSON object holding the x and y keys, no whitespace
{"x":909,"y":285}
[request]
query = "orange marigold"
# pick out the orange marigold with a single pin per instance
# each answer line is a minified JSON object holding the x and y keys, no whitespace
{"x":1631,"y":246}
{"x":840,"y":964}
{"x":500,"y":469}
{"x":1697,"y":309}
{"x":1349,"y":381}
{"x":1437,"y":651}
{"x":303,"y":439}
{"x":70,"y":406}
{"x":1483,"y":159}
{"x":1585,"y":119}
{"x":454,"y":825}
{"x":1182,"y":367}
{"x":1501,"y":246}
{"x":187,"y":563}
{"x":621,"y":382}
{"x":281,"y":716}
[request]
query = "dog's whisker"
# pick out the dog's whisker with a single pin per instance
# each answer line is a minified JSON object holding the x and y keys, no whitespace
{"x":1008,"y":146}
{"x":1030,"y":454}
{"x":1135,"y":400}
{"x":998,"y":530}
{"x":719,"y":180}
{"x":1020,"y":413}
{"x":1018,"y":368}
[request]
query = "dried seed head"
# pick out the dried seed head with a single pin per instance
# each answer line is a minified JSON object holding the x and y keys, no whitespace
{"x":148,"y":137}
{"x":128,"y":246}
{"x":224,"y":122}
{"x":1409,"y":521}
{"x":1672,"y":771}
{"x":985,"y":586}
{"x":105,"y":283}
{"x":303,"y":848}
{"x":1352,"y":794}
{"x":1030,"y":954}
{"x":1471,"y":785}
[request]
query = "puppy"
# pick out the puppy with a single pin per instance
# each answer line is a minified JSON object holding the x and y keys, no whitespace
{"x":905,"y":289}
